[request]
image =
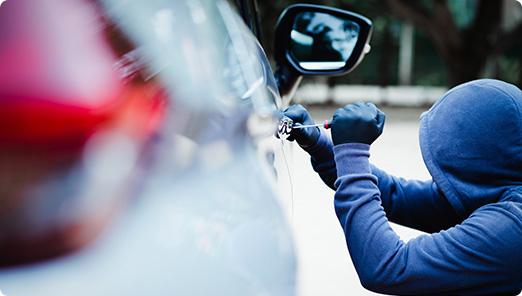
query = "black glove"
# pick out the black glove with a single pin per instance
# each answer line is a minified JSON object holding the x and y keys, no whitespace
{"x":305,"y":137}
{"x":357,"y":123}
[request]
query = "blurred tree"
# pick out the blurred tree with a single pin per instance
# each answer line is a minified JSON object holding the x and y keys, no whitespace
{"x":465,"y":51}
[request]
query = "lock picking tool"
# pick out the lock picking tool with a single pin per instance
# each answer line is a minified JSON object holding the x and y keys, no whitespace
{"x":286,"y":124}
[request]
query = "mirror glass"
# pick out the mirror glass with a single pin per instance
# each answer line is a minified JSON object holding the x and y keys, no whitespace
{"x":320,"y":41}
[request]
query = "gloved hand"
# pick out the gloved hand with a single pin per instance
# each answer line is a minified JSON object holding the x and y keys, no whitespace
{"x":305,"y":137}
{"x":357,"y":123}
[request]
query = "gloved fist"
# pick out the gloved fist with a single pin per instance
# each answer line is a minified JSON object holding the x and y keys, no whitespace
{"x":357,"y":123}
{"x":305,"y":137}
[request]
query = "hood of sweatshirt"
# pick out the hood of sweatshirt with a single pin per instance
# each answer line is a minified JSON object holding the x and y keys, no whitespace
{"x":471,"y":142}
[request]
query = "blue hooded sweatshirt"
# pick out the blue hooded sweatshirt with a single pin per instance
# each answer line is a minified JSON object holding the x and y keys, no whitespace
{"x":471,"y":142}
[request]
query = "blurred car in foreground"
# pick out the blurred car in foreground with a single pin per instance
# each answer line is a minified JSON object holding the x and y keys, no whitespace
{"x":137,"y":153}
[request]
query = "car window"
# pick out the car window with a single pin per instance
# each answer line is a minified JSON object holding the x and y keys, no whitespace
{"x":247,"y":67}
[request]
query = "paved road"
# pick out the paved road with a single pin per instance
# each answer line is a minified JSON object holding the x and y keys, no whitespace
{"x":324,"y":264}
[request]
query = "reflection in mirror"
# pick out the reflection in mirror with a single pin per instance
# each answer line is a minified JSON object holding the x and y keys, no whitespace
{"x":320,"y":41}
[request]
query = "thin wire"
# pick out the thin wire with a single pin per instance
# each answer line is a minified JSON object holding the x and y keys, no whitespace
{"x":290,"y":181}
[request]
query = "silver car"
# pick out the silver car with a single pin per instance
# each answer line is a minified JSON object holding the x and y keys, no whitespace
{"x":199,"y":206}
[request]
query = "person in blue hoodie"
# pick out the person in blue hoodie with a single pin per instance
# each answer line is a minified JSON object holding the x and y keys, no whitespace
{"x":471,"y":142}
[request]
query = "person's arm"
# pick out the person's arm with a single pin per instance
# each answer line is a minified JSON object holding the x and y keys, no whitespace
{"x":407,"y":202}
{"x":322,"y":158}
{"x":412,"y":203}
{"x":480,"y":256}
{"x":314,"y":141}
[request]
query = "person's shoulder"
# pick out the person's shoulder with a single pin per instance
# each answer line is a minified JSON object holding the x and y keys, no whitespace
{"x":509,"y":207}
{"x":501,"y":224}
{"x":503,"y":215}
{"x":511,"y":201}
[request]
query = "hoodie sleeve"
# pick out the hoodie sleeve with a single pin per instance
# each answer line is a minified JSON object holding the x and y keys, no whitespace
{"x":323,"y":162}
{"x":415,"y":204}
{"x":480,"y":256}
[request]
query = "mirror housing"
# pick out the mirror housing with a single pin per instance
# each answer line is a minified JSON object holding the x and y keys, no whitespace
{"x":318,"y":40}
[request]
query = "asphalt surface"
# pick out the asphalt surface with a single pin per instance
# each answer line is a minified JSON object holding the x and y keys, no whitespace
{"x":325,"y":267}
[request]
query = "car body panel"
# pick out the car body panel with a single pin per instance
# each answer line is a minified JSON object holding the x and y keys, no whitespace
{"x":209,"y":220}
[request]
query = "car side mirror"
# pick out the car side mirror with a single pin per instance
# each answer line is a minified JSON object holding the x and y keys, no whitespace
{"x":318,"y":40}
